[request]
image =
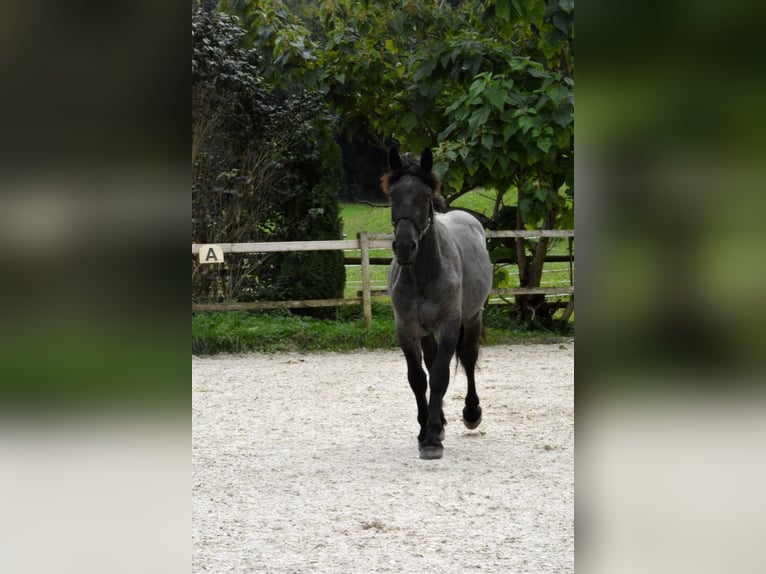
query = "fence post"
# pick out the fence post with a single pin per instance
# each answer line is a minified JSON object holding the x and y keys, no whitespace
{"x":364,"y":248}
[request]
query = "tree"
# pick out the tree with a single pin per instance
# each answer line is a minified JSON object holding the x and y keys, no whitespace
{"x":262,"y":168}
{"x":487,"y":83}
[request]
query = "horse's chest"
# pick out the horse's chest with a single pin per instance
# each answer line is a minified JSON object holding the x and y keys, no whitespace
{"x":423,"y":307}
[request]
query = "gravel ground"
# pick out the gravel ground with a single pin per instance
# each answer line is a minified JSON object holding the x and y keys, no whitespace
{"x":309,"y":463}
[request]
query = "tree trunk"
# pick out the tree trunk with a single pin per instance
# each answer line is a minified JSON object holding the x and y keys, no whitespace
{"x":532,"y":308}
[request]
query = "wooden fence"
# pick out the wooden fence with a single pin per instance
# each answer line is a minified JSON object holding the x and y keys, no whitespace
{"x":364,"y":243}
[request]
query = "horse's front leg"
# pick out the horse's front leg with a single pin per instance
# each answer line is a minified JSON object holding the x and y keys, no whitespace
{"x":448,"y":335}
{"x":418,"y":380}
{"x":428,"y":344}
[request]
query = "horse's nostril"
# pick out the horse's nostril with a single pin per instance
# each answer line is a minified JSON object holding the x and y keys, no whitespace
{"x":407,"y":246}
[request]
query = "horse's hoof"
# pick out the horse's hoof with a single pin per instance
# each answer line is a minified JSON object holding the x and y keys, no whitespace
{"x":431,"y":452}
{"x":472,"y":417}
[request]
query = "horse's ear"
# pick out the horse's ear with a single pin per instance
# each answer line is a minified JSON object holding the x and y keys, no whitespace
{"x":393,"y":159}
{"x":426,"y":160}
{"x":384,"y":184}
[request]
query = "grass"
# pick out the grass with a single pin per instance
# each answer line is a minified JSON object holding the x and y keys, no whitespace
{"x":360,"y":217}
{"x":478,"y":200}
{"x":241,"y":331}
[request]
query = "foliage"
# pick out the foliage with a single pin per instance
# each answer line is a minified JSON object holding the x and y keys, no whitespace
{"x":264,"y":166}
{"x":487,"y":83}
{"x":307,"y":208}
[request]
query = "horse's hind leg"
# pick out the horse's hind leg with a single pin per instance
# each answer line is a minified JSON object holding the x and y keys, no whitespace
{"x":468,"y":352}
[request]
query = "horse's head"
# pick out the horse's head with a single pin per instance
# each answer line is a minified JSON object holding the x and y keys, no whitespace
{"x":411,"y":189}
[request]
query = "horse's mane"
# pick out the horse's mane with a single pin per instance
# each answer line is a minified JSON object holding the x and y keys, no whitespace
{"x":411,"y":167}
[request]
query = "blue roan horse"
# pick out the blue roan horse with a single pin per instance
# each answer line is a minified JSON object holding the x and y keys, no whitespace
{"x":439,"y":281}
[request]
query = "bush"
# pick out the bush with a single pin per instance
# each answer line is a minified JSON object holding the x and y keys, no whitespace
{"x":264,"y":167}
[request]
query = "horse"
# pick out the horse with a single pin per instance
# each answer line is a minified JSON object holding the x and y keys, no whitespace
{"x":439,"y":280}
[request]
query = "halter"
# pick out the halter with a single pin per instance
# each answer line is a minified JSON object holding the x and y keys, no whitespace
{"x":429,"y":220}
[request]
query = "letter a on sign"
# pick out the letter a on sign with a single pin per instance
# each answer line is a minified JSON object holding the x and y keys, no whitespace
{"x":210,"y":254}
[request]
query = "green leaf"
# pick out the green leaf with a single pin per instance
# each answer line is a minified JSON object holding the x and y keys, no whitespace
{"x":440,"y":168}
{"x":409,"y":121}
{"x":557,"y":93}
{"x":525,"y":204}
{"x":563,"y":116}
{"x":478,"y":118}
{"x":501,"y":277}
{"x":496,"y":97}
{"x":502,"y":252}
{"x":478,"y":86}
{"x":487,"y":141}
{"x":456,"y":179}
{"x":453,"y":106}
{"x":444,"y":134}
{"x":503,"y":10}
{"x":509,"y":130}
{"x":561,"y":22}
{"x":425,"y":69}
{"x":471,"y":165}
{"x":563,"y":139}
{"x":526,"y":123}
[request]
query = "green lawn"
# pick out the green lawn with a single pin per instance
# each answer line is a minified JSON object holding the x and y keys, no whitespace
{"x":361,"y":217}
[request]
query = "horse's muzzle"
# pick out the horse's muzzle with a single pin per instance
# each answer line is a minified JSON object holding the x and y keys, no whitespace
{"x":405,"y":252}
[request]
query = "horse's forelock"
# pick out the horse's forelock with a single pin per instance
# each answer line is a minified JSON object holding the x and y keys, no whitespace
{"x":427,"y":177}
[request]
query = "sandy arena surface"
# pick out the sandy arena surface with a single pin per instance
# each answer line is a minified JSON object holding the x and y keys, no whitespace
{"x":309,"y":463}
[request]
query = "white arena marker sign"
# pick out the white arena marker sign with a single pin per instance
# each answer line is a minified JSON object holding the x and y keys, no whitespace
{"x":210,"y":254}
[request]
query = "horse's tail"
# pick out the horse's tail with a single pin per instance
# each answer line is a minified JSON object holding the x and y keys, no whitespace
{"x":458,"y":350}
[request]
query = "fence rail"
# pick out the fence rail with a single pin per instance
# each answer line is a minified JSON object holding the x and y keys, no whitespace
{"x":364,"y":243}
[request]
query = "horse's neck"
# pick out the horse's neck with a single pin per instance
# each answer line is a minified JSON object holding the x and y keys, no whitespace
{"x":430,"y":261}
